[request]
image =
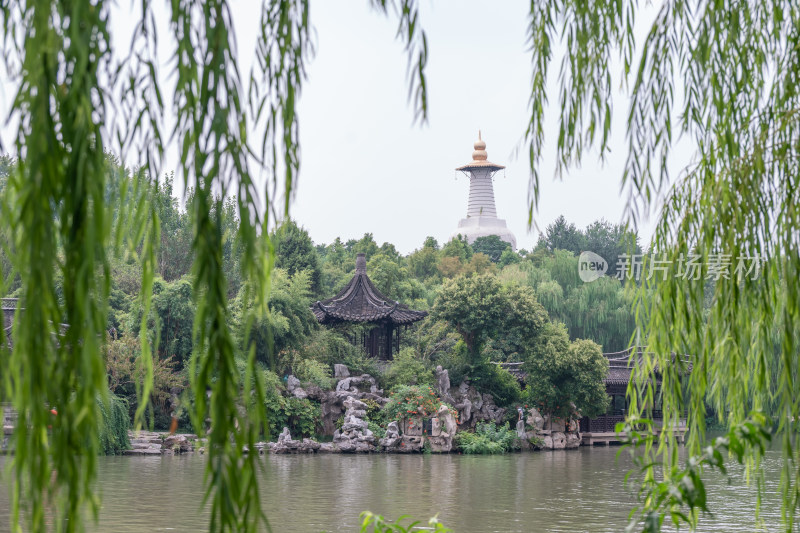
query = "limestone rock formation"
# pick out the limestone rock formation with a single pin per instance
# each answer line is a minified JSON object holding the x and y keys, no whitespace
{"x":443,"y":429}
{"x":443,"y":385}
{"x":354,"y":436}
{"x":286,"y":444}
{"x":340,"y":371}
{"x":292,"y":383}
{"x":555,"y":434}
{"x":392,"y":440}
{"x":474,"y":407}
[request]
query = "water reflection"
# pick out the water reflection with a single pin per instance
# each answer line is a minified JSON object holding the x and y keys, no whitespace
{"x":549,"y":491}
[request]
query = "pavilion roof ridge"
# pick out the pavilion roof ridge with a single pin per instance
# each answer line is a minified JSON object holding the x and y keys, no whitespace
{"x":360,"y":301}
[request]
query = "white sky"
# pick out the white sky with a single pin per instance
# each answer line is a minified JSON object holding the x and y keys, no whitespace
{"x":367,"y":168}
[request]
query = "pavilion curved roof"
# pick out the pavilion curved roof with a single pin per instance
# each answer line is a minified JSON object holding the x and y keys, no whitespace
{"x":361,"y":302}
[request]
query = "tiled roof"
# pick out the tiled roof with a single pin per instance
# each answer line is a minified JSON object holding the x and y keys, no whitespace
{"x":620,"y":365}
{"x":480,"y":164}
{"x":360,"y":301}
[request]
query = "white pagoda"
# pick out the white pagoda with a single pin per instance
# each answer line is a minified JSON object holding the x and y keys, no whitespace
{"x":482,"y":218}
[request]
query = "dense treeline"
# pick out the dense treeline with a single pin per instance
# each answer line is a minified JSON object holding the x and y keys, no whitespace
{"x":532,"y":308}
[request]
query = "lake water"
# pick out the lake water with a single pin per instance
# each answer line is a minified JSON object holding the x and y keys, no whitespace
{"x":571,"y":491}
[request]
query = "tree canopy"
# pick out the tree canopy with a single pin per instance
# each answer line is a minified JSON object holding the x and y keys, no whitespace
{"x":719,"y":75}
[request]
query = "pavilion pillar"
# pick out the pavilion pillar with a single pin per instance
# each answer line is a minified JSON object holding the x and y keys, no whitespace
{"x":389,"y":331}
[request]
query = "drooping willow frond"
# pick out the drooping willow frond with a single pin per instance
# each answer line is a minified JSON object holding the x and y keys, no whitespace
{"x":78,"y":97}
{"x":724,"y":76}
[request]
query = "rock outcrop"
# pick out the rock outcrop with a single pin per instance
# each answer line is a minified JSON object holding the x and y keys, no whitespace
{"x":474,"y":407}
{"x":341,"y":371}
{"x":549,"y":434}
{"x":392,"y":440}
{"x":150,"y":443}
{"x":443,"y":385}
{"x":354,"y":436}
{"x":332,"y":407}
{"x":286,"y":444}
{"x":443,"y":429}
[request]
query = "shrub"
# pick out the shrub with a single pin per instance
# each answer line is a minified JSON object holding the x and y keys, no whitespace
{"x":379,"y":524}
{"x":299,"y":415}
{"x":274,"y":403}
{"x":487,"y":439}
{"x":407,"y":369}
{"x":302,"y":415}
{"x":114,"y":425}
{"x":374,"y":410}
{"x":411,"y":400}
{"x":455,"y":361}
{"x":498,"y":382}
{"x":313,"y":371}
{"x":376,"y":429}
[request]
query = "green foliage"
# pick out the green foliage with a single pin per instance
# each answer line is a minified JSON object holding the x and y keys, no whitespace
{"x":408,"y":369}
{"x":508,"y":257}
{"x":561,"y":235}
{"x":681,"y":494}
{"x":372,"y":523}
{"x":295,"y":252}
{"x":273,"y":404}
{"x":174,"y":255}
{"x":411,"y":400}
{"x":498,"y":382}
{"x":360,"y":363}
{"x":378,"y":430}
{"x":114,"y":425}
{"x":611,"y":241}
{"x":458,"y":248}
{"x":737,"y":198}
{"x":330,"y":346}
{"x":422,"y":263}
{"x":479,"y":308}
{"x":58,"y":205}
{"x":392,"y":278}
{"x":563,"y":268}
{"x":374,"y":410}
{"x":566,"y":377}
{"x":487,"y":439}
{"x":365,"y":245}
{"x":171,"y":320}
{"x":456,"y":361}
{"x":601,"y":310}
{"x":123,"y":358}
{"x":474,"y":307}
{"x":313,"y":371}
{"x":299,"y":415}
{"x":302,"y":415}
{"x":492,"y":246}
{"x":285,"y":326}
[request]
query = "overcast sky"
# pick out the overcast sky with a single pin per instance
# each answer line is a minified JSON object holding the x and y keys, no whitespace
{"x":367,"y":168}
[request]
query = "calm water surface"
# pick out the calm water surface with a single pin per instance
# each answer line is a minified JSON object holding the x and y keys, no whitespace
{"x":570,"y":491}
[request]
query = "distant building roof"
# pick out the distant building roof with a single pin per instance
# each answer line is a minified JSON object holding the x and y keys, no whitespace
{"x":361,"y":302}
{"x":480,"y":158}
{"x":620,"y":366}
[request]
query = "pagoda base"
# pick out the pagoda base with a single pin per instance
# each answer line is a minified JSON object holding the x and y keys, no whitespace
{"x":474,"y":227}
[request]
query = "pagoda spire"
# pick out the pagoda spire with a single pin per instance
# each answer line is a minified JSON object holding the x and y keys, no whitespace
{"x":482,"y":218}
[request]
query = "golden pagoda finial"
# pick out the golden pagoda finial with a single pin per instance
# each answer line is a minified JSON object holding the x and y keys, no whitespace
{"x":480,"y":149}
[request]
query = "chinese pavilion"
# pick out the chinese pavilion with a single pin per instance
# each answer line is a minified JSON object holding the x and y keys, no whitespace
{"x":482,"y":218}
{"x":620,"y":368}
{"x":360,"y":302}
